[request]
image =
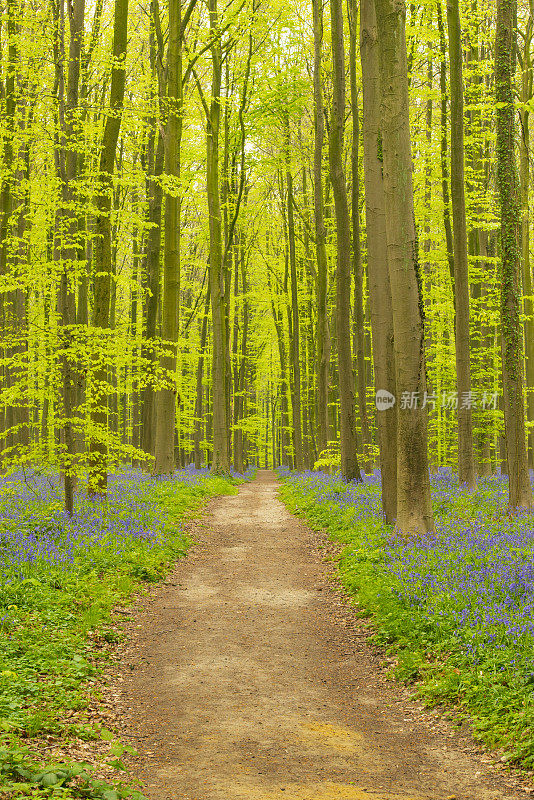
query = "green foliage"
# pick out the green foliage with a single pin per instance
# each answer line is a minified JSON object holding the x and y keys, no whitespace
{"x":329,"y":459}
{"x":57,"y":623}
{"x":20,"y":776}
{"x":485,"y":675}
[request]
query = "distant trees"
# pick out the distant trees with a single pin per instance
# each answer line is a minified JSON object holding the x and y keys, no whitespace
{"x":214,"y":246}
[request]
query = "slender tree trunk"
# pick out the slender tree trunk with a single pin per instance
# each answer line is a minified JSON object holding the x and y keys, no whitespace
{"x":166,"y":398}
{"x":414,"y":509}
{"x":66,"y":245}
{"x":241,"y":387}
{"x":444,"y":145}
{"x":220,"y":463}
{"x":152,"y":261}
{"x":295,"y":329}
{"x":102,"y":252}
{"x":358,"y":272}
{"x":487,"y":336}
{"x":323,"y":333}
{"x":235,"y":352}
{"x":524,"y":174}
{"x":200,"y":371}
{"x":20,"y":353}
{"x":349,"y":459}
{"x":134,"y":333}
{"x":379,"y":285}
{"x":6,"y":210}
{"x":507,"y":184}
{"x":428,"y":242}
{"x":466,"y":461}
{"x":284,"y":405}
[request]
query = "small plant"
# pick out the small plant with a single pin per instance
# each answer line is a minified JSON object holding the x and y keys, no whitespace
{"x":60,"y":577}
{"x":329,"y":459}
{"x":455,"y":608}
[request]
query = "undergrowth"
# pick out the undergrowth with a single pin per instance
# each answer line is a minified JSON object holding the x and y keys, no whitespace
{"x":60,"y":578}
{"x":455,"y":608}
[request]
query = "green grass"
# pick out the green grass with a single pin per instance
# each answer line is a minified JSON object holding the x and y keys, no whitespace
{"x":452,"y":613}
{"x":56,"y":625}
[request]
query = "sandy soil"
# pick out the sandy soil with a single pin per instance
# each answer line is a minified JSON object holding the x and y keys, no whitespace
{"x":248,"y":678}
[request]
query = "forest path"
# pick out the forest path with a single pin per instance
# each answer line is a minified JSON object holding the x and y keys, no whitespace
{"x":250,"y":679}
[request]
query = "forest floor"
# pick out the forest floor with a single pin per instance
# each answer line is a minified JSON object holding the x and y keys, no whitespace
{"x":248,"y":676}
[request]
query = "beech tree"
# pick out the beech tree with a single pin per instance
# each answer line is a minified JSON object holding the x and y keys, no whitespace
{"x":249,"y":296}
{"x":414,"y":509}
{"x":323,"y":333}
{"x":349,"y":459}
{"x":379,"y":281}
{"x":507,"y":183}
{"x":102,"y":251}
{"x":466,"y":462}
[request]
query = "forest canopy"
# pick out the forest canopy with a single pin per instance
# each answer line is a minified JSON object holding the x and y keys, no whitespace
{"x":268,"y":233}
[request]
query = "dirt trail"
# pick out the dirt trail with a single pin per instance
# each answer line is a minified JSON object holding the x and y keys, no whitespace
{"x":250,"y":680}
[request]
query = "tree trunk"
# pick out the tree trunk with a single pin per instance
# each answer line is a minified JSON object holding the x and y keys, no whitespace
{"x":295,"y":329}
{"x":166,"y":398}
{"x":414,"y":509}
{"x":350,"y":469}
{"x":152,"y":270}
{"x":200,"y":370}
{"x":102,"y":252}
{"x":379,"y":285}
{"x":524,"y":173}
{"x":284,"y":406}
{"x":220,"y":463}
{"x":6,"y":210}
{"x":466,"y":461}
{"x":66,"y":245}
{"x":359,"y":315}
{"x":239,"y":453}
{"x":444,"y":145}
{"x":428,"y":241}
{"x":507,"y":185}
{"x":134,"y":332}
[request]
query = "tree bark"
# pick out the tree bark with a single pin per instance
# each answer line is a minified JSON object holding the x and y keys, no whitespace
{"x":166,"y":397}
{"x":220,"y":463}
{"x":466,"y":461}
{"x":102,"y":252}
{"x":379,"y":285}
{"x":524,"y":173}
{"x":414,"y":509}
{"x":295,"y":328}
{"x":350,"y":469}
{"x":444,"y":145}
{"x":241,"y":387}
{"x":200,"y":370}
{"x":152,"y":271}
{"x":507,"y":185}
{"x":358,"y":272}
{"x":6,"y":210}
{"x":66,"y":229}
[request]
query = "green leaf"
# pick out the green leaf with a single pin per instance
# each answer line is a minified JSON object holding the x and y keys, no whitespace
{"x":110,"y":794}
{"x":49,"y":779}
